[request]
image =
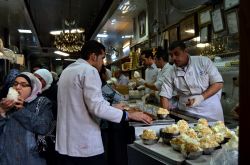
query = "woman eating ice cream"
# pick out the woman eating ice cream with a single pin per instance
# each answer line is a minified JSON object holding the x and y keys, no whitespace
{"x":21,"y":120}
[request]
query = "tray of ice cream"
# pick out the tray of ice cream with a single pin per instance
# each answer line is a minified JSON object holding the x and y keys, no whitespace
{"x":193,"y":142}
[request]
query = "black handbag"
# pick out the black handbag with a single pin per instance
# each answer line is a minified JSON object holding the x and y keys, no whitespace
{"x":46,"y":143}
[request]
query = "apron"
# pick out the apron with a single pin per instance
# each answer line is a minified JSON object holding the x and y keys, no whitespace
{"x":211,"y":107}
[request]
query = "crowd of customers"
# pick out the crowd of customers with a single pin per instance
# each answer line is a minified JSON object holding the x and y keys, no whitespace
{"x":46,"y":106}
{"x":63,"y":114}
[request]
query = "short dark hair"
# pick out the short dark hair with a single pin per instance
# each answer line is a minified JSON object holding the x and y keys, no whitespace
{"x":161,"y":53}
{"x":92,"y":46}
{"x":176,"y":44}
{"x":147,"y":53}
{"x":103,"y":70}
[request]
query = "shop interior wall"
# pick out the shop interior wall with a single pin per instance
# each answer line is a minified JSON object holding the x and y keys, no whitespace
{"x":164,"y":13}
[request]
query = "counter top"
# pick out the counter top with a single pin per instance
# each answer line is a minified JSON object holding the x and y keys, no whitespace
{"x":165,"y":154}
{"x":161,"y":151}
{"x":166,"y":121}
{"x":190,"y":117}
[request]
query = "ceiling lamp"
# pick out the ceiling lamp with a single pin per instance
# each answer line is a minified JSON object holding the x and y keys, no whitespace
{"x":70,"y":41}
{"x":126,"y":6}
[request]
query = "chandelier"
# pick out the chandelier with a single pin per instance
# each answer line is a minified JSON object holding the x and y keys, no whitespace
{"x":71,"y":40}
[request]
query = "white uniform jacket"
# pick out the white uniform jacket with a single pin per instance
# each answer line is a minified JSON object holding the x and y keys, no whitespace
{"x":161,"y":74}
{"x":192,"y":80}
{"x":80,"y":100}
{"x":151,"y":75}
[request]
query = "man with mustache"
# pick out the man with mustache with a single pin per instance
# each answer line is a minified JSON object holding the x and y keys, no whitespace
{"x":197,"y":82}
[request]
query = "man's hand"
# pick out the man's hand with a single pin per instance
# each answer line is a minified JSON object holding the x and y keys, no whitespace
{"x":194,"y":100}
{"x":140,"y":116}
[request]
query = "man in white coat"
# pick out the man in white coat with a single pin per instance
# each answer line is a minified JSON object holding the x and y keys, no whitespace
{"x":197,"y":82}
{"x":161,"y":61}
{"x":151,"y":72}
{"x":80,"y":101}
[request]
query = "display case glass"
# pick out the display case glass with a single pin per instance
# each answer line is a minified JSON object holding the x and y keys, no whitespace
{"x":173,"y":34}
{"x":217,"y":20}
{"x":187,"y":28}
{"x":232,"y":22}
{"x":228,"y":4}
{"x":204,"y":17}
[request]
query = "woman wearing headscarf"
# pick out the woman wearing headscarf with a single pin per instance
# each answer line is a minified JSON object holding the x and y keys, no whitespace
{"x":49,"y":90}
{"x":22,"y":120}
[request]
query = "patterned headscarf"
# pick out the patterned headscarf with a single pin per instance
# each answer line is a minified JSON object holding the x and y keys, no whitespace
{"x":47,"y":76}
{"x":36,"y":85}
{"x":8,"y":82}
{"x":11,"y":77}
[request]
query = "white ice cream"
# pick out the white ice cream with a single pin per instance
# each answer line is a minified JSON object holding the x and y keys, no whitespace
{"x":12,"y":94}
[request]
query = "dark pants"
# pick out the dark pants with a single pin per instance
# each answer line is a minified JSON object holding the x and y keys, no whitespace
{"x":69,"y":160}
{"x":115,"y":139}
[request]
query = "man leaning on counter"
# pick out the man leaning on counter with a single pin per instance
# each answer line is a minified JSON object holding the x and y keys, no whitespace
{"x":197,"y":82}
{"x":80,"y":102}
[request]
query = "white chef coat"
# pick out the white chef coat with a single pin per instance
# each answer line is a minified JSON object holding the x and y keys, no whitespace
{"x":192,"y":80}
{"x":80,"y":100}
{"x":151,"y":75}
{"x":160,"y":79}
{"x":161,"y":74}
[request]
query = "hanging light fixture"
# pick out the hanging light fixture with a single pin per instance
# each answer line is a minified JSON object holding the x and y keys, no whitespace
{"x":70,"y":40}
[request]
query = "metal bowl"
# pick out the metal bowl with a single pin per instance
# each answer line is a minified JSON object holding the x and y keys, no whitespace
{"x":149,"y":141}
{"x":208,"y":151}
{"x":176,"y":147}
{"x":224,"y":141}
{"x":192,"y":155}
{"x":162,"y":116}
{"x":218,"y":147}
{"x":166,"y":137}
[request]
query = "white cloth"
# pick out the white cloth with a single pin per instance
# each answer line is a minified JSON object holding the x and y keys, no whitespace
{"x":123,"y":80}
{"x":151,"y":76}
{"x":192,"y":80}
{"x":47,"y":77}
{"x":80,"y":100}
